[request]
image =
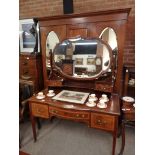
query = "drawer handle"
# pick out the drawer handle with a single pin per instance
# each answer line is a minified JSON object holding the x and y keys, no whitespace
{"x":99,"y":122}
{"x":55,"y":111}
{"x":24,"y":63}
{"x":25,"y":77}
{"x":40,"y":110}
{"x":83,"y":116}
{"x":26,"y":72}
{"x":77,"y":115}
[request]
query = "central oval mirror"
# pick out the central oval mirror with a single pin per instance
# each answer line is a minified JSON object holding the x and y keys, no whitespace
{"x":82,"y":58}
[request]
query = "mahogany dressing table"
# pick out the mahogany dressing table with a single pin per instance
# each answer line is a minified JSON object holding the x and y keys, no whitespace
{"x":91,"y":63}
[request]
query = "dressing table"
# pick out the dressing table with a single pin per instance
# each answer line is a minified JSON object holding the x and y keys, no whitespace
{"x":82,"y":53}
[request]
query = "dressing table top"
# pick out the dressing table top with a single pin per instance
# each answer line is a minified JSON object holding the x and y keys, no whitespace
{"x":113,"y":106}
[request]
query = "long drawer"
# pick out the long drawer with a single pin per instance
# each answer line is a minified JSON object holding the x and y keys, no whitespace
{"x":78,"y":115}
{"x":103,"y":121}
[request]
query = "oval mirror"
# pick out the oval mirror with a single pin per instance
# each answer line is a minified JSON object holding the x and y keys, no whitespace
{"x":109,"y":36}
{"x":82,"y":58}
{"x":51,"y":41}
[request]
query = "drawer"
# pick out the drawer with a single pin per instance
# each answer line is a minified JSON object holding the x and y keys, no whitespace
{"x":69,"y":114}
{"x":129,"y":116}
{"x":105,"y":88}
{"x":40,"y":110}
{"x":27,"y":63}
{"x":27,"y":72}
{"x":103,"y":121}
{"x":56,"y":83}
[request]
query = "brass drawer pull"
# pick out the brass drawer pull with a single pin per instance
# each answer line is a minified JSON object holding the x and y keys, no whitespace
{"x":55,"y":111}
{"x":40,"y":111}
{"x":24,"y":63}
{"x":77,"y":115}
{"x":26,"y":72}
{"x":26,"y":77}
{"x":99,"y":122}
{"x":83,"y":115}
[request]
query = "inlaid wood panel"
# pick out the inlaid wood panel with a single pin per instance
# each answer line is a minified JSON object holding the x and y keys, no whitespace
{"x":40,"y":110}
{"x":81,"y":30}
{"x":103,"y":121}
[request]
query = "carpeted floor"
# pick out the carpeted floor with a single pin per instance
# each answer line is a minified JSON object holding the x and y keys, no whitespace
{"x":64,"y":137}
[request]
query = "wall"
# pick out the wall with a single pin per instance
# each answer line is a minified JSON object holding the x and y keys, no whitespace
{"x":40,"y":8}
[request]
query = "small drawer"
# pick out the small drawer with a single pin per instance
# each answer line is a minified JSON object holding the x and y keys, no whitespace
{"x":105,"y":88}
{"x":69,"y":114}
{"x":24,"y":63}
{"x":40,"y":110}
{"x":27,"y":72}
{"x":27,"y":63}
{"x":102,"y":121}
{"x":55,"y":83}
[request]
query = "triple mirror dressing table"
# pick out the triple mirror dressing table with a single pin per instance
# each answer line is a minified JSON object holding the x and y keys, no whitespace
{"x":82,"y":53}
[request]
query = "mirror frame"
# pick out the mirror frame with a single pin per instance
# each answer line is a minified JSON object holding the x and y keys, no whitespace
{"x":83,"y":78}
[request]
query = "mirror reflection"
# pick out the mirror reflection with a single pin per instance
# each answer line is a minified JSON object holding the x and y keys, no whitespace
{"x":109,"y":36}
{"x":82,"y":58}
{"x":52,"y":40}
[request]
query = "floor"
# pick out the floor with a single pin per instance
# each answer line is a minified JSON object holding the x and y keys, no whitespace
{"x":64,"y":137}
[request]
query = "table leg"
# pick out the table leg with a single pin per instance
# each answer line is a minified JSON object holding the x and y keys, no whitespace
{"x":123,"y":139}
{"x":20,"y":141}
{"x":114,"y":142}
{"x":33,"y":128}
{"x":33,"y":124}
{"x":38,"y":123}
